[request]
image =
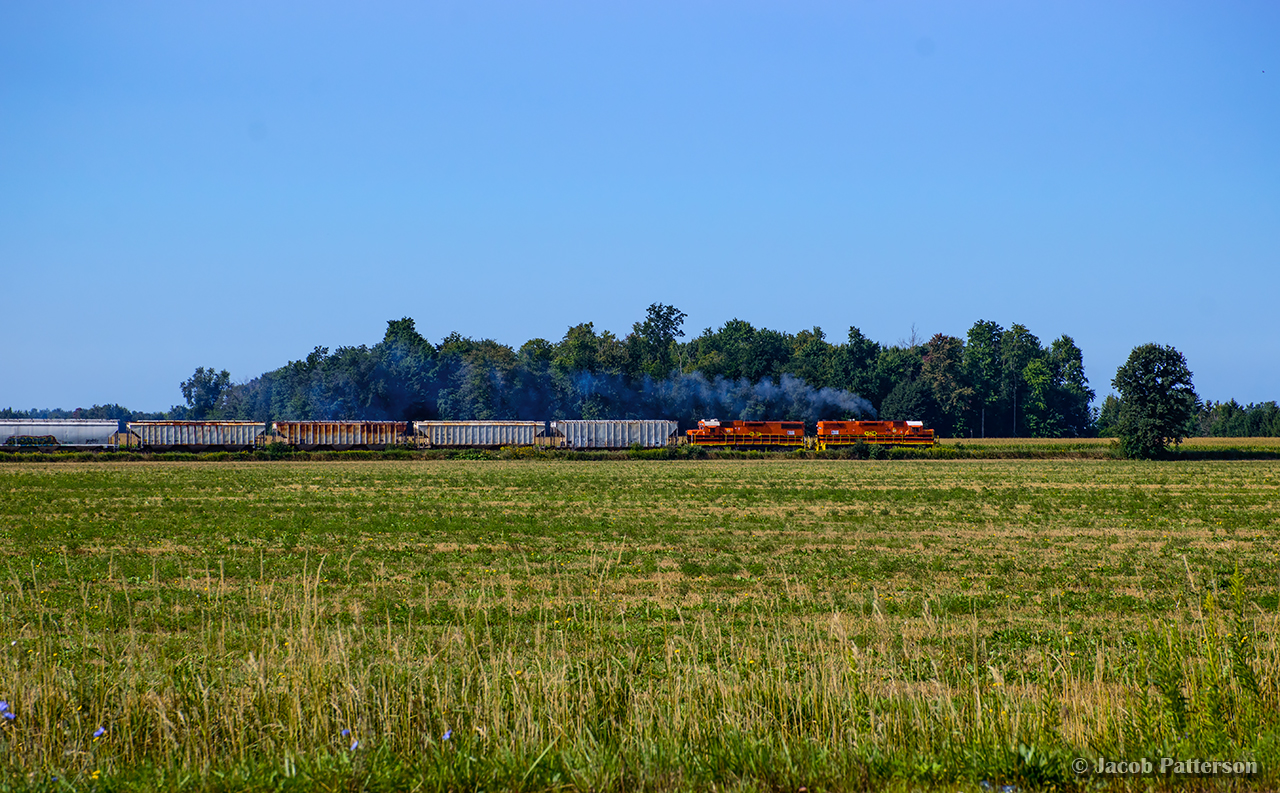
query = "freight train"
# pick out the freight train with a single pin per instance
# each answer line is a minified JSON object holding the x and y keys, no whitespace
{"x":198,"y":436}
{"x":47,"y":434}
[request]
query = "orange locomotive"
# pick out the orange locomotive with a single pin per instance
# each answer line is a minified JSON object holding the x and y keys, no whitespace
{"x":885,"y":433}
{"x":713,"y":432}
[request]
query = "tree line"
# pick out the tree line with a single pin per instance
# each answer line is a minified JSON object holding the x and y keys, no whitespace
{"x":1209,"y":419}
{"x":995,"y":381}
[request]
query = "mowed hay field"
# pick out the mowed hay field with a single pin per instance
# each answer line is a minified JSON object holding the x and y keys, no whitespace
{"x":1262,"y":447}
{"x":629,"y":625}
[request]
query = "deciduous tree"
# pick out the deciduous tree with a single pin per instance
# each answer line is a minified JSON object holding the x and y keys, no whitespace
{"x":942,"y":369}
{"x":1157,"y":400}
{"x":204,"y":391}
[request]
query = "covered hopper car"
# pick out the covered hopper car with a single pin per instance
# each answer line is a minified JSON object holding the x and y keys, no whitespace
{"x":342,"y":434}
{"x":479,"y":434}
{"x":614,"y":433}
{"x":34,"y":434}
{"x":196,"y":435}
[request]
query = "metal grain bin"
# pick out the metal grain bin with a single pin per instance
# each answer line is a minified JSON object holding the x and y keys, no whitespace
{"x":196,"y":434}
{"x":477,"y":433}
{"x":29,"y":433}
{"x":617,"y":433}
{"x":341,"y":434}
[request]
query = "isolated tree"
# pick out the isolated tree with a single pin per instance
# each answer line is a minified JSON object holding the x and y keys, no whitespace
{"x":1157,"y":400}
{"x":204,"y":390}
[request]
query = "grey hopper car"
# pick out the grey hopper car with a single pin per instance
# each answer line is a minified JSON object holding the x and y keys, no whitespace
{"x":49,"y":433}
{"x":196,"y":435}
{"x":616,"y":433}
{"x":478,"y":434}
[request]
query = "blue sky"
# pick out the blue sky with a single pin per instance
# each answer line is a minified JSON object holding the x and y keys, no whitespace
{"x":232,"y":184}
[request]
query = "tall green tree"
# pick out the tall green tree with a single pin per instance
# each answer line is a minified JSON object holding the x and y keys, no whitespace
{"x":984,"y":371}
{"x":478,"y":386}
{"x":403,"y":382}
{"x":653,"y":342}
{"x":1040,"y":415}
{"x":579,"y":350}
{"x":739,"y":351}
{"x":1018,"y":347}
{"x":852,"y":365}
{"x":589,"y":367}
{"x":911,"y":400}
{"x":1071,"y":392}
{"x":894,"y":365}
{"x":810,"y":360}
{"x":204,"y":392}
{"x":538,"y":393}
{"x":942,"y":369}
{"x":1109,"y":416}
{"x":723,"y":352}
{"x":1157,"y":400}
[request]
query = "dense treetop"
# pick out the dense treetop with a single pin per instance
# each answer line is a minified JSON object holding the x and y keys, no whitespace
{"x":1157,"y":400}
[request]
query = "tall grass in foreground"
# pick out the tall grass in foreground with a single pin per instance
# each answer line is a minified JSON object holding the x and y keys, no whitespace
{"x":597,"y":697}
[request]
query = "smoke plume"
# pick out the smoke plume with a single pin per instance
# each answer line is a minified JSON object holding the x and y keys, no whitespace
{"x":690,"y":397}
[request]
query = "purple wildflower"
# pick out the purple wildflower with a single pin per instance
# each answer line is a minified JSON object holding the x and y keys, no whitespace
{"x":101,"y":731}
{"x":4,"y":706}
{"x":8,"y":714}
{"x":447,"y":734}
{"x":355,"y":745}
{"x":345,"y":732}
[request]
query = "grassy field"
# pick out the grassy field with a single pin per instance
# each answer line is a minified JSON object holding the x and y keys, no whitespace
{"x":1190,"y":444}
{"x":625,"y":625}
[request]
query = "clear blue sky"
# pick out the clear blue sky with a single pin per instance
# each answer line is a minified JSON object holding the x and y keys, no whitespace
{"x":230,"y":184}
